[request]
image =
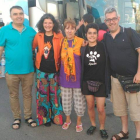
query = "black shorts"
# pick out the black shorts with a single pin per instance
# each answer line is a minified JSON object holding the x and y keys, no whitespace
{"x":100,"y":93}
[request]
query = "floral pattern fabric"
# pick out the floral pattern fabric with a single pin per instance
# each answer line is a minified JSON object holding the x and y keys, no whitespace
{"x":48,"y":98}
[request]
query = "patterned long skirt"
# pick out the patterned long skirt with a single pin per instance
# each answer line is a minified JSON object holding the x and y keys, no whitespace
{"x":48,"y":98}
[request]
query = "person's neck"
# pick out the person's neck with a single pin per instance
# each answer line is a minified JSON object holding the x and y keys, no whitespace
{"x":70,"y":38}
{"x":49,"y":33}
{"x":113,"y":34}
{"x":19,"y":27}
{"x":92,"y":44}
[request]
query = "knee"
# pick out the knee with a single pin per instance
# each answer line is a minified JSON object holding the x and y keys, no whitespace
{"x":101,"y":110}
{"x":27,"y":95}
{"x":14,"y":95}
{"x":90,"y":107}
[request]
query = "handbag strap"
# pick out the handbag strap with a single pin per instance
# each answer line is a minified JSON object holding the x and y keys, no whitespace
{"x":129,"y":33}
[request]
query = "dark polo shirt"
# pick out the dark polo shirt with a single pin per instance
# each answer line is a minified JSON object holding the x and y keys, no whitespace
{"x":122,"y":52}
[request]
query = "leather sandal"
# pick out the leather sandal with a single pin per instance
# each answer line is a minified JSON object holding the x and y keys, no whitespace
{"x":30,"y":121}
{"x":18,"y":124}
{"x":91,"y":130}
{"x":125,"y":136}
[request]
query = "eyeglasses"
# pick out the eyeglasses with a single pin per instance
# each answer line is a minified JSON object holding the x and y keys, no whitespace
{"x":113,"y":19}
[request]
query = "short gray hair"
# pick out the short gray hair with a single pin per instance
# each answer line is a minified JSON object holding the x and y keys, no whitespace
{"x":110,"y":9}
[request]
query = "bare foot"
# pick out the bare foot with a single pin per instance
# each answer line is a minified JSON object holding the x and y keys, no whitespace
{"x":16,"y":124}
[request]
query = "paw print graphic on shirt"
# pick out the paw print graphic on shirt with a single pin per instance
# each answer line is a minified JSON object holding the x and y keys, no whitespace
{"x":93,"y":56}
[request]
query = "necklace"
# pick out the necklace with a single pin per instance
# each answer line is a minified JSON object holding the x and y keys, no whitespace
{"x":91,"y":52}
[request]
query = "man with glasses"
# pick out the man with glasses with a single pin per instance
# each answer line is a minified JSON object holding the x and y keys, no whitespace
{"x":123,"y":61}
{"x":16,"y":39}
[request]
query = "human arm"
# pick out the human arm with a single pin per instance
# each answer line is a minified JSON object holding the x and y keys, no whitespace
{"x":135,"y":41}
{"x":80,"y":24}
{"x":2,"y":43}
{"x":84,"y":43}
{"x":1,"y":51}
{"x":60,"y":48}
{"x":35,"y":43}
{"x":137,"y":76}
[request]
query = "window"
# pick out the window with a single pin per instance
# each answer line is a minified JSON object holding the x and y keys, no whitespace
{"x":128,"y":9}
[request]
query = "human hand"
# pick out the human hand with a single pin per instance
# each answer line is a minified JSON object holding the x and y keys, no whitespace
{"x":136,"y":78}
{"x":60,"y":31}
{"x":80,"y":24}
{"x":85,"y":42}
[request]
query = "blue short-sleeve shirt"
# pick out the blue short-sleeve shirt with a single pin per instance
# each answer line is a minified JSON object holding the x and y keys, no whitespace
{"x":18,"y":49}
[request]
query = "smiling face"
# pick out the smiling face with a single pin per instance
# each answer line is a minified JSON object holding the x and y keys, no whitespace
{"x":112,"y":21}
{"x":17,"y":16}
{"x":92,"y":35}
{"x":48,"y":25}
{"x":70,"y":31}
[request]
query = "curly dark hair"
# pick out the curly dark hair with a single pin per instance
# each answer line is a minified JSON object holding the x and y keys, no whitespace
{"x":92,"y":25}
{"x":48,"y":16}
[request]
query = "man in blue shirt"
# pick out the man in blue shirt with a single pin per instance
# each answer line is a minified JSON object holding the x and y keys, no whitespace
{"x":16,"y":39}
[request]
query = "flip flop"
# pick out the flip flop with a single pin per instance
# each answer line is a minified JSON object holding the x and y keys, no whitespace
{"x":65,"y":126}
{"x":79,"y":128}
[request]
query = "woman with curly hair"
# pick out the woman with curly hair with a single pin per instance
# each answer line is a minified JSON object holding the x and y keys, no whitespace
{"x":47,"y":42}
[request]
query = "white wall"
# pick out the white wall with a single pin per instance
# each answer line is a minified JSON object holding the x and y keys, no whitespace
{"x":5,"y":6}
